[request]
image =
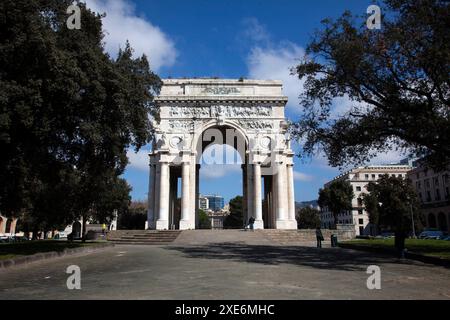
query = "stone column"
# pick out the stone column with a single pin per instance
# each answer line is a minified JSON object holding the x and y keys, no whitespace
{"x":291,"y":196}
{"x":250,"y":192}
{"x":281,"y":213}
{"x":185,"y":190}
{"x":163,"y":217}
{"x":197,"y":193}
{"x":281,"y":222}
{"x":192,"y":196}
{"x":151,"y":198}
{"x":157,"y":191}
{"x":3,"y":224}
{"x":257,"y":196}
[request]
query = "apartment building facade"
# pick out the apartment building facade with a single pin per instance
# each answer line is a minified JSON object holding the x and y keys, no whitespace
{"x":433,"y":190}
{"x":359,"y":179}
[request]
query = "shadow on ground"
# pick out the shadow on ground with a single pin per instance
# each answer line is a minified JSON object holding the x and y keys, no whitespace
{"x":325,"y":258}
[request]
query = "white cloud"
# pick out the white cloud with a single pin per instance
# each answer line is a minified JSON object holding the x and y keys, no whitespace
{"x":299,"y":176}
{"x":274,"y":63}
{"x":389,"y":157}
{"x":214,"y":171}
{"x":218,"y":160}
{"x":253,"y":30}
{"x":138,"y":160}
{"x":121,"y":24}
{"x":219,"y":154}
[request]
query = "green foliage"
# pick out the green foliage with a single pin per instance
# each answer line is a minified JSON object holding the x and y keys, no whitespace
{"x":337,"y":197}
{"x":393,"y":203}
{"x":133,"y":217}
{"x":68,"y":114}
{"x":204,"y":221}
{"x":236,"y":217}
{"x":370,"y":201}
{"x":396,"y":80}
{"x":390,"y":204}
{"x":308,"y":218}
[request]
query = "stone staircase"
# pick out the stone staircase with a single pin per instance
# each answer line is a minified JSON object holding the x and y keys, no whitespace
{"x":149,"y":237}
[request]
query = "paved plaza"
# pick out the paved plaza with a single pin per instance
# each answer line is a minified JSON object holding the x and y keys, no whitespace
{"x":225,"y":265}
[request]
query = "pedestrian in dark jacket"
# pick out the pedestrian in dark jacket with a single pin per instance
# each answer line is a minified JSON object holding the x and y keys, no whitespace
{"x":319,"y":237}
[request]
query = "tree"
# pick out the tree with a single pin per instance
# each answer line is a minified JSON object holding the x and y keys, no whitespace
{"x":337,"y":197}
{"x":395,"y":81}
{"x":133,"y":217}
{"x":371,"y":204}
{"x":204,"y":221}
{"x":68,"y":113}
{"x":236,"y":217}
{"x":308,"y":218}
{"x":391,"y":203}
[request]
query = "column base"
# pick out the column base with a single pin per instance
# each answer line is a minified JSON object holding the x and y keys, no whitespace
{"x":162,"y":225}
{"x":150,"y":225}
{"x":258,"y":224}
{"x":286,"y":224}
{"x":185,"y":225}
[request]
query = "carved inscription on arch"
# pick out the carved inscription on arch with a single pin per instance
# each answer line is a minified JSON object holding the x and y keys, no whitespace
{"x":229,"y":111}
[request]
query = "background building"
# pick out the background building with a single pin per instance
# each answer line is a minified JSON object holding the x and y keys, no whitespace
{"x":216,"y":202}
{"x":359,"y":178}
{"x":203,"y":203}
{"x":7,"y":226}
{"x":432,"y":187}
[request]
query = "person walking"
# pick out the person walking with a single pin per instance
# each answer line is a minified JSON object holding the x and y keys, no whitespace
{"x":319,"y":237}
{"x":103,"y":229}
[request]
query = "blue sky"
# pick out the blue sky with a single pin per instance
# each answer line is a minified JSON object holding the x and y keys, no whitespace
{"x":228,"y":39}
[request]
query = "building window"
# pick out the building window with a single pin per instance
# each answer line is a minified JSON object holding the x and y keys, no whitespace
{"x":445,"y":178}
{"x":427,"y":183}
{"x":373,"y":176}
{"x":366,"y":176}
{"x":360,"y":211}
{"x":428,"y":196}
{"x":358,"y":188}
{"x":435,"y":181}
{"x":438,"y":195}
{"x":361,"y":221}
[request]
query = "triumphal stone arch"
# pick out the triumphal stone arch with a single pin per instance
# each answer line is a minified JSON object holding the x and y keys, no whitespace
{"x":245,"y":114}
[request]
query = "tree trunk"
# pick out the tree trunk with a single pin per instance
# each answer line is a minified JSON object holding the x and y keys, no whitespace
{"x":335,"y":220}
{"x":83,"y":233}
{"x":35,"y":233}
{"x":400,"y":243}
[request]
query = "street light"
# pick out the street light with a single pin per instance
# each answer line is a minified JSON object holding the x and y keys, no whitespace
{"x":412,"y":221}
{"x":412,"y":217}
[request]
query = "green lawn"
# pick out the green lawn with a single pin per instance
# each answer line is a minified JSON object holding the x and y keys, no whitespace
{"x":436,"y":248}
{"x":13,"y":250}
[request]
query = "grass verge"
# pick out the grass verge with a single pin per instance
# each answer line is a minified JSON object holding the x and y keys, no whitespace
{"x":18,"y":249}
{"x":431,"y":248}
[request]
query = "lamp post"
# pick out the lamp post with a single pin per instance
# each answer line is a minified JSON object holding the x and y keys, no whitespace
{"x":412,"y":217}
{"x":412,"y":220}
